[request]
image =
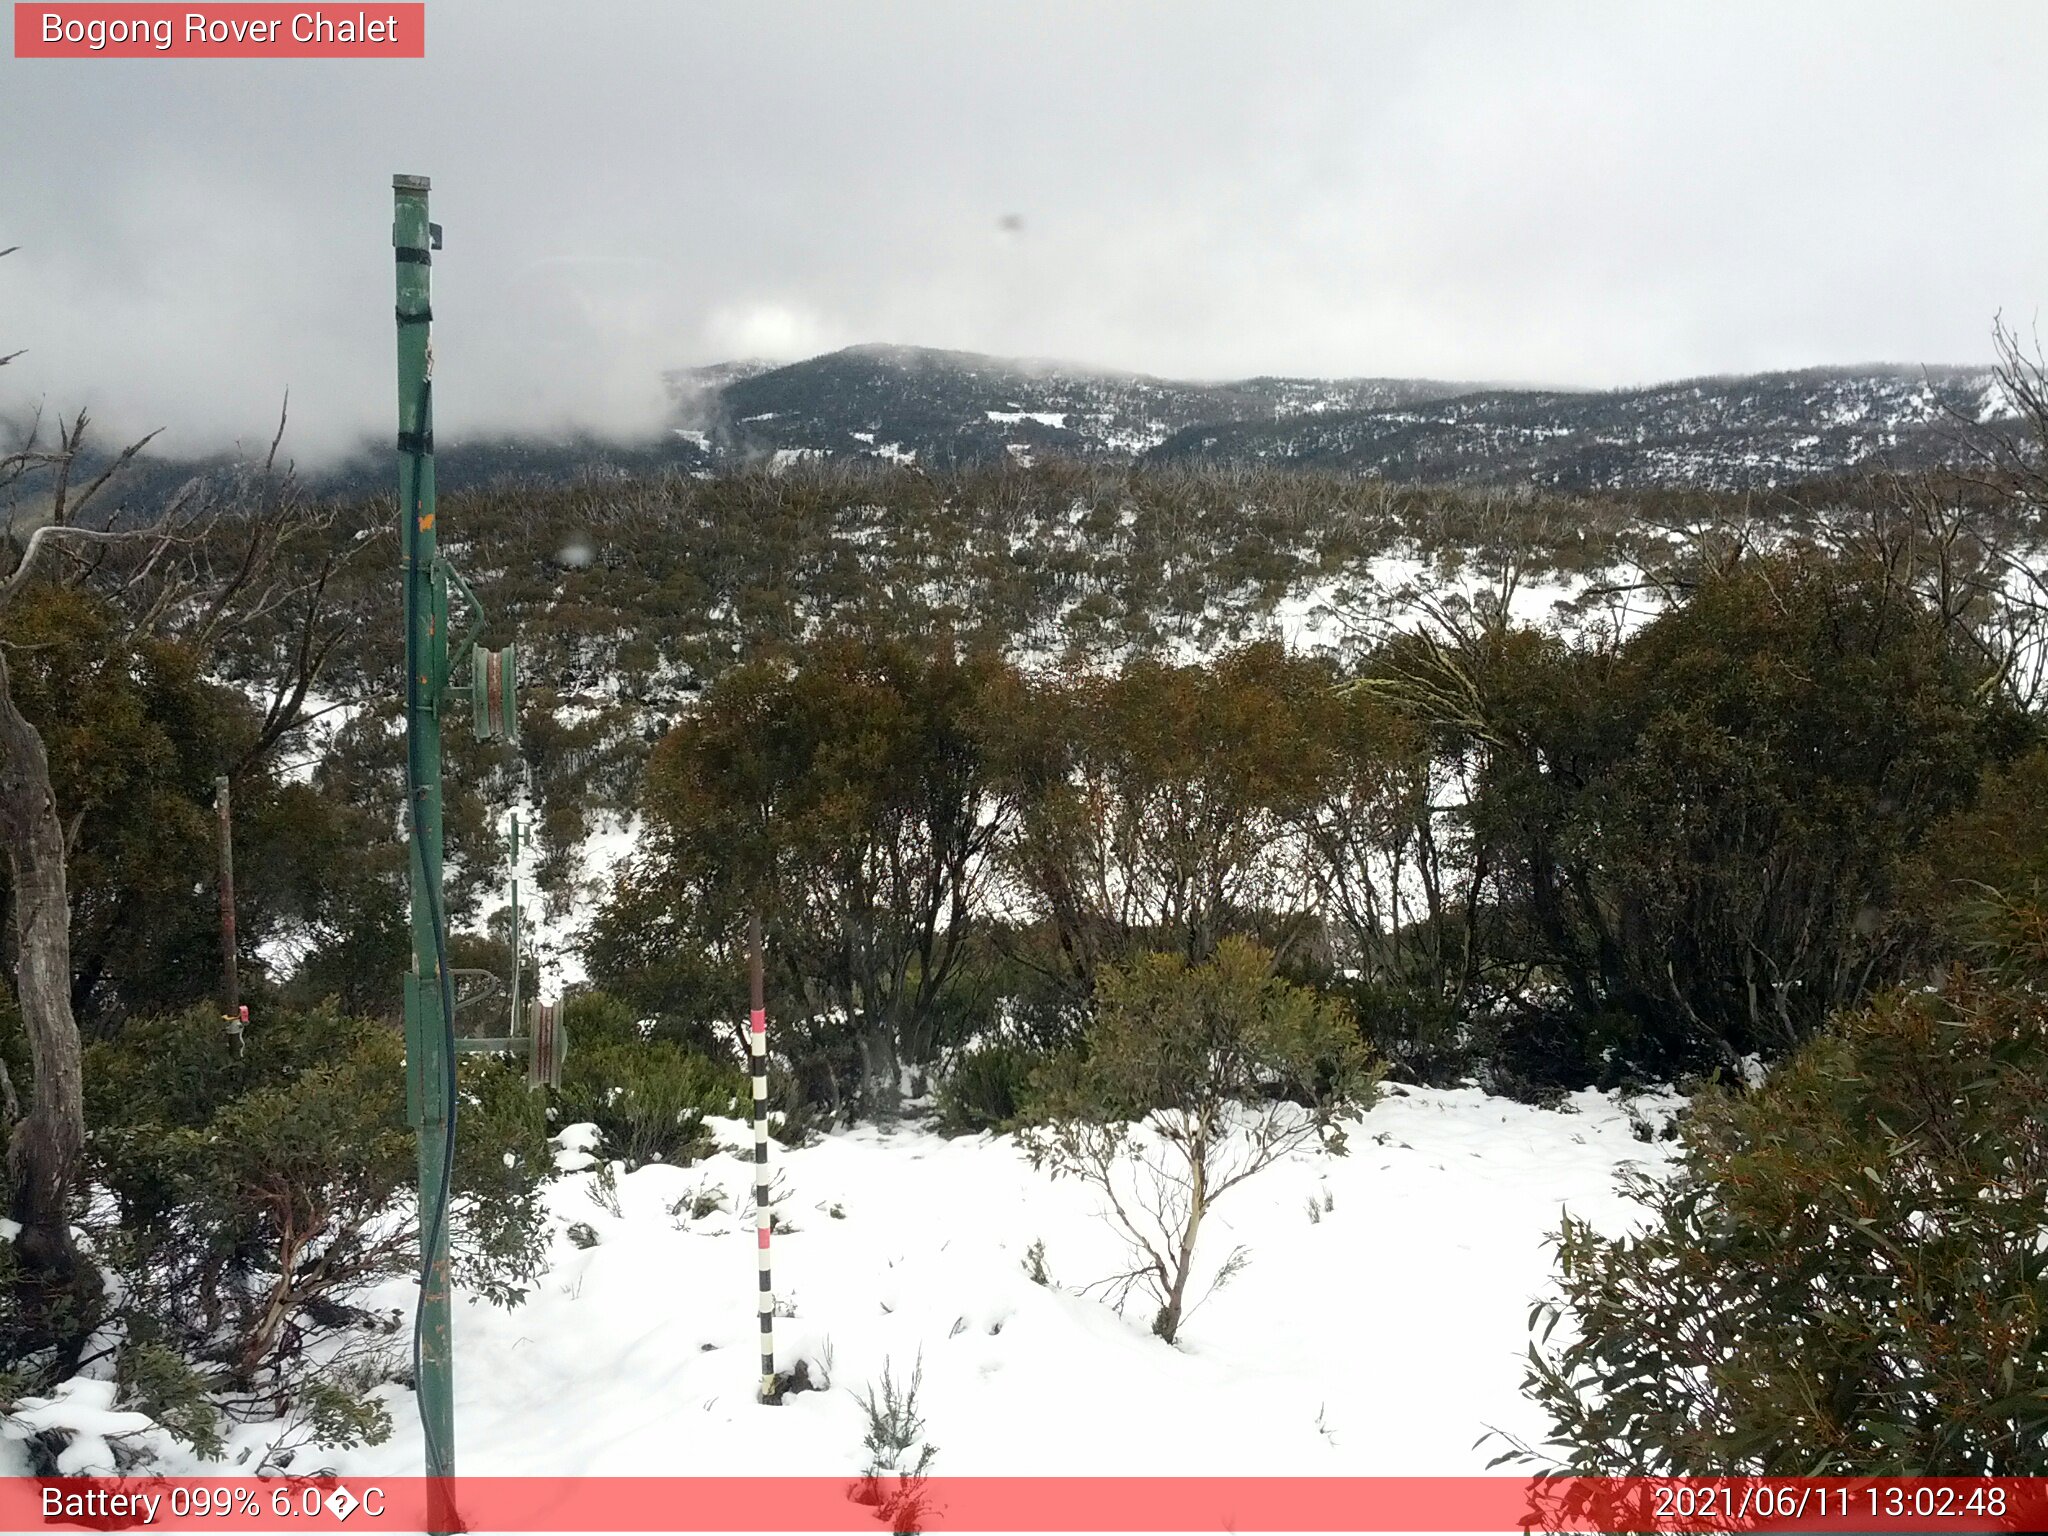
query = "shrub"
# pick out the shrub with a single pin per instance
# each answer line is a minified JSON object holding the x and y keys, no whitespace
{"x":897,"y":1449}
{"x":1983,"y":876}
{"x":987,"y":1088}
{"x":1036,"y":1269}
{"x":1417,"y":1033}
{"x":1225,"y":1068}
{"x":157,"y":1380}
{"x":251,"y":1194}
{"x":599,"y":1018}
{"x":1846,"y":1274}
{"x":647,"y":1098}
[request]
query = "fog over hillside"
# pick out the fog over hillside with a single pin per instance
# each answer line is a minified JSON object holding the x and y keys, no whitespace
{"x":1585,"y":196}
{"x":944,"y":410}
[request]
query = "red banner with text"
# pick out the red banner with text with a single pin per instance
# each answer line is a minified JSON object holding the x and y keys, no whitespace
{"x":1049,"y":1504}
{"x":236,"y":31}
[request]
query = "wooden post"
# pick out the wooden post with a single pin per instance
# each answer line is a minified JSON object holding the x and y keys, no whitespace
{"x":230,"y":978}
{"x":757,"y":1038}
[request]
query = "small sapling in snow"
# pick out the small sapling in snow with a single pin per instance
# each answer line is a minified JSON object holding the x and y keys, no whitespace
{"x":1196,"y":1077}
{"x":897,"y":1449}
{"x":604,"y":1189}
{"x":1034,"y":1265}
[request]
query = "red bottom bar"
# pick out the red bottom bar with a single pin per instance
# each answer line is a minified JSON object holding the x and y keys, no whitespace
{"x":1050,"y":1504}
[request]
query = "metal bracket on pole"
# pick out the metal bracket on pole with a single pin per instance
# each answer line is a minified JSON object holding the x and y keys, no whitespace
{"x":547,"y":1044}
{"x":492,"y":694}
{"x":543,"y":1042}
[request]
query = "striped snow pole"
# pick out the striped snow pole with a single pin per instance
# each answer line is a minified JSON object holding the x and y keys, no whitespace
{"x":757,"y":1039}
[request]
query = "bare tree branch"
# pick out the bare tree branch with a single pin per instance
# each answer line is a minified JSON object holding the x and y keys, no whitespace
{"x":111,"y":470}
{"x":12,"y":586}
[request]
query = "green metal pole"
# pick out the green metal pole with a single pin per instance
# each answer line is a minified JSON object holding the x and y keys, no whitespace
{"x":429,"y":1059}
{"x":517,"y":1024}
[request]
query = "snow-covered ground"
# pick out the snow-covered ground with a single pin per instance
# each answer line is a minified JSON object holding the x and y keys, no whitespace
{"x":1383,"y":1336}
{"x":1350,"y":611}
{"x":554,"y":926}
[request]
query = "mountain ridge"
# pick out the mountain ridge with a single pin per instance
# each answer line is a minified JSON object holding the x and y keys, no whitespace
{"x":1722,"y":431}
{"x":939,"y":409}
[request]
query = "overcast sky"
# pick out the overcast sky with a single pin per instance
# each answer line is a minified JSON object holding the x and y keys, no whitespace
{"x":1566,"y":193}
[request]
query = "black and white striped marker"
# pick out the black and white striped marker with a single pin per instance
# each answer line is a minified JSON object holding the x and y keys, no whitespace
{"x":757,"y":1038}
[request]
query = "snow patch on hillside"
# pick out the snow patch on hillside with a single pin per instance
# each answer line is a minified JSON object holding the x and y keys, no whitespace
{"x":1995,"y":403}
{"x":556,"y":925}
{"x":1043,"y":418}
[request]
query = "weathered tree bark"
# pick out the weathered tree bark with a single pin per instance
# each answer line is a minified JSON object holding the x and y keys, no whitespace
{"x":44,"y":1152}
{"x":881,"y":1076}
{"x":1167,"y":1324}
{"x":230,"y":979}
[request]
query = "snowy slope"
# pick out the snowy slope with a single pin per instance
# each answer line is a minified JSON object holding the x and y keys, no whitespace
{"x":1383,"y":1338}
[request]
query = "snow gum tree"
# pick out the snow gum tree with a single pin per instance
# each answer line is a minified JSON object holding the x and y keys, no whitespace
{"x":1194,"y":1078}
{"x":853,"y":801}
{"x":1164,"y":812}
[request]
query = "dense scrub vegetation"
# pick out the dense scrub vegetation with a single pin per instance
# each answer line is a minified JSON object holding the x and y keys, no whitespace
{"x":1546,"y":863}
{"x":1846,"y":1274}
{"x":1030,"y":791}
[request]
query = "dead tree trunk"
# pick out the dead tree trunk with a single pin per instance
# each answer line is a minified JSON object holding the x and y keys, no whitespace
{"x":230,"y":979}
{"x":44,"y":1152}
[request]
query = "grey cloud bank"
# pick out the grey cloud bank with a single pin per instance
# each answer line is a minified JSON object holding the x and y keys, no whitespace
{"x":1573,"y":194}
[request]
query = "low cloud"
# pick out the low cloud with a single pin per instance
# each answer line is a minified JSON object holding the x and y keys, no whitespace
{"x":1585,"y":194}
